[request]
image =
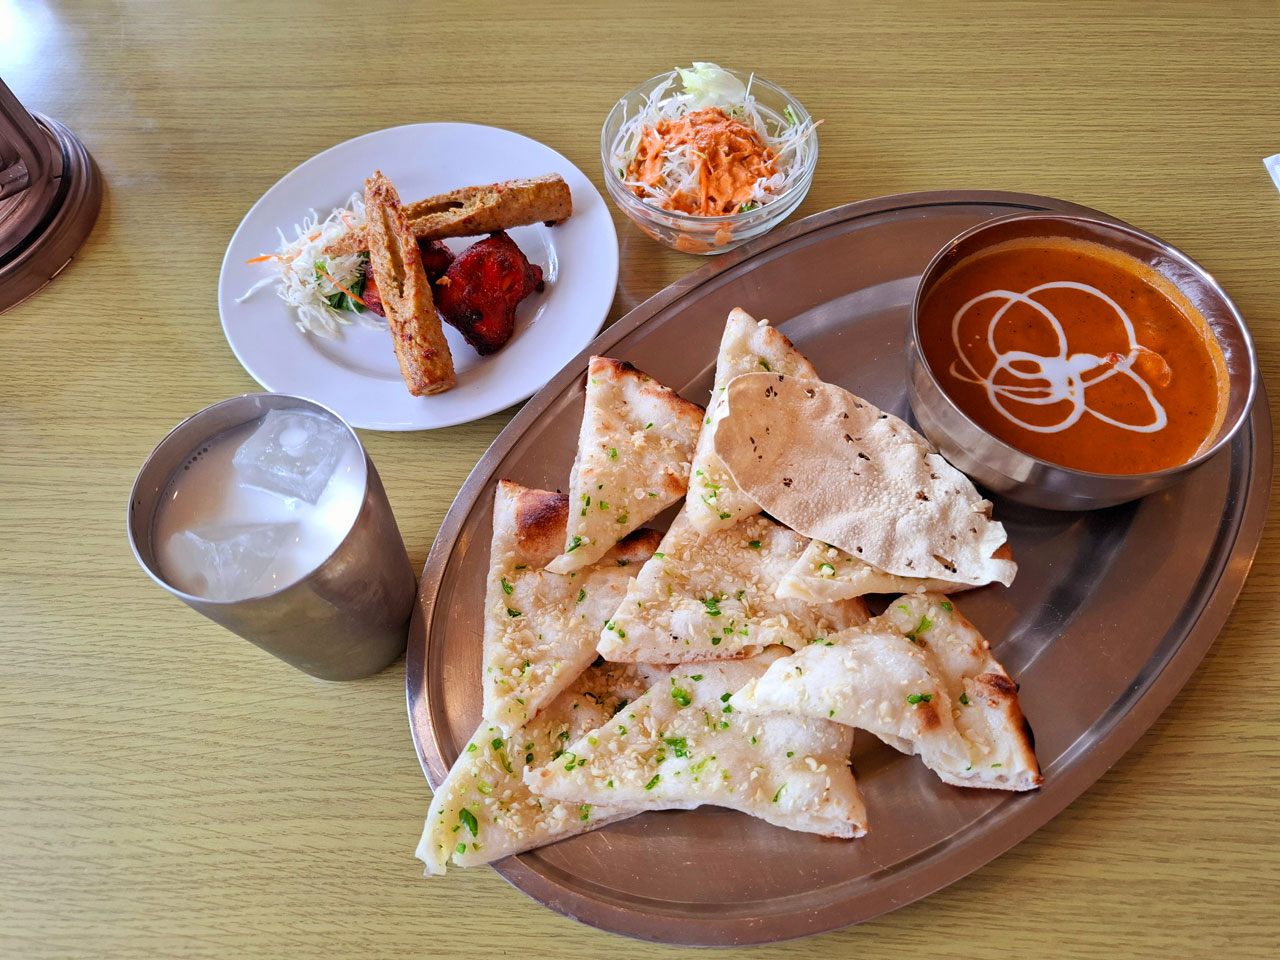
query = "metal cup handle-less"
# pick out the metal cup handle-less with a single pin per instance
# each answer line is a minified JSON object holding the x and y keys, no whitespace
{"x":50,"y":195}
{"x":349,"y":617}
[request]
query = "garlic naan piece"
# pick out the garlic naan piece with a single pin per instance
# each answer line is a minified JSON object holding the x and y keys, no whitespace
{"x":484,"y":812}
{"x":922,"y":679}
{"x":540,"y":628}
{"x":634,"y":451}
{"x":834,"y":467}
{"x":748,"y":346}
{"x":681,"y":745}
{"x":825,"y":573}
{"x":712,"y":597}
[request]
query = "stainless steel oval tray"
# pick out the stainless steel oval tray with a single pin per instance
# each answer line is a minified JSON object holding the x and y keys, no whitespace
{"x":1109,"y":615}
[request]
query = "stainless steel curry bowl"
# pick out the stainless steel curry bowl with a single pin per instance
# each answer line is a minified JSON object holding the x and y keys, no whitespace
{"x":1008,"y":471}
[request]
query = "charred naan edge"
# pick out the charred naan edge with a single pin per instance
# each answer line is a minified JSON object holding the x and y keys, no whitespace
{"x":540,"y":628}
{"x":483,"y":811}
{"x":825,"y":573}
{"x":748,"y":346}
{"x":712,"y":597}
{"x":834,"y":467}
{"x":921,"y":678}
{"x":681,"y":745}
{"x":634,"y":449}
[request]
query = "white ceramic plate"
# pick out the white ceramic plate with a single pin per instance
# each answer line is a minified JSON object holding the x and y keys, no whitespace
{"x":357,"y":374}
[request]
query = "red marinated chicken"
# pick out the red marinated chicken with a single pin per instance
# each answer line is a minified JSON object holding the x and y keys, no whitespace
{"x":481,"y":289}
{"x":436,"y":258}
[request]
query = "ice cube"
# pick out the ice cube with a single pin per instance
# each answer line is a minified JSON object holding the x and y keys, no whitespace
{"x":226,"y":562}
{"x":293,"y":453}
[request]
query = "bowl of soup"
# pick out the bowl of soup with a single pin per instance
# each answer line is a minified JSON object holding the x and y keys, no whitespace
{"x":1073,"y":363}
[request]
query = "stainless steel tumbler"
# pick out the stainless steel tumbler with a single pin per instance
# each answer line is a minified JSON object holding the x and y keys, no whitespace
{"x":348,"y":617}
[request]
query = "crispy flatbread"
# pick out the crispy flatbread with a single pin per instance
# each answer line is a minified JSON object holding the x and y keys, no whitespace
{"x":921,"y":678}
{"x":748,"y":346}
{"x":712,"y":597}
{"x":835,"y":468}
{"x":825,"y":573}
{"x":540,"y":628}
{"x":483,"y":811}
{"x":634,"y":449}
{"x":680,"y":746}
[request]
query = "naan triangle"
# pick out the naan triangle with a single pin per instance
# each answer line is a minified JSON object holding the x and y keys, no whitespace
{"x":483,"y":811}
{"x":634,"y":450}
{"x":921,"y":678}
{"x":712,"y":596}
{"x":834,"y":467}
{"x":748,"y":346}
{"x":681,"y":745}
{"x":540,"y":628}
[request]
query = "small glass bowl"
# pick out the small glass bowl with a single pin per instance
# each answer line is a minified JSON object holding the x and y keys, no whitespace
{"x":690,"y":233}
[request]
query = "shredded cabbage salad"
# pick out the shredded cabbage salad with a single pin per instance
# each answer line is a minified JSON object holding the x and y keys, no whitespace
{"x":709,"y":85}
{"x":316,"y":286}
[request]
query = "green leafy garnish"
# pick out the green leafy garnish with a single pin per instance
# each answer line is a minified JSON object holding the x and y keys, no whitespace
{"x":654,"y":782}
{"x":919,"y":697}
{"x":468,"y":820}
{"x":512,"y":613}
{"x":779,"y":793}
{"x":753,"y":544}
{"x":574,"y":544}
{"x":681,"y":696}
{"x":679,"y":744}
{"x":506,"y":587}
{"x":964,"y":698}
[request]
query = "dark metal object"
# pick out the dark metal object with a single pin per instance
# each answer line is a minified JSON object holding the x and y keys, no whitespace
{"x":344,"y":620}
{"x":50,"y":195}
{"x":1111,"y":611}
{"x":1038,"y":483}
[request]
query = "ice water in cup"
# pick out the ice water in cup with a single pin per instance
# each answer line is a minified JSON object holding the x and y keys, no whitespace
{"x":259,"y":506}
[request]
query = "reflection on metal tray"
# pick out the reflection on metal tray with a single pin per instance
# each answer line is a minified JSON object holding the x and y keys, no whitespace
{"x":1109,"y":615}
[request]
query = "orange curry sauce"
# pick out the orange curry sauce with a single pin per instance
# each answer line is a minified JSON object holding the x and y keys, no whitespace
{"x":1060,"y":363}
{"x":731,"y":157}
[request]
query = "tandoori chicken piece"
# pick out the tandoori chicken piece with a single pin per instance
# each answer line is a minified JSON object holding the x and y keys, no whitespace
{"x":480,"y":291}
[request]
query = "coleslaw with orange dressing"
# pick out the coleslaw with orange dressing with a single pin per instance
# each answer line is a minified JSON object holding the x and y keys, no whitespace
{"x":710,"y":150}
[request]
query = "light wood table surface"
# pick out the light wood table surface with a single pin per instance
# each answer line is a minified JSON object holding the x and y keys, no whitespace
{"x":167,"y":789}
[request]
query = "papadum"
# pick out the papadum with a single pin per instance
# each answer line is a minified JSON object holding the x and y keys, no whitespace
{"x":834,"y":467}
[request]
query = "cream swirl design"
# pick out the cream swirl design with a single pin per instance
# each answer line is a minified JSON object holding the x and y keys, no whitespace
{"x":1061,"y":378}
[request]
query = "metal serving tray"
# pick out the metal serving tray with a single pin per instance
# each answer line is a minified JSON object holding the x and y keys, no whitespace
{"x":1109,"y":615}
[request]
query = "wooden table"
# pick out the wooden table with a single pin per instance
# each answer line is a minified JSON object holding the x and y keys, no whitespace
{"x":168,"y":790}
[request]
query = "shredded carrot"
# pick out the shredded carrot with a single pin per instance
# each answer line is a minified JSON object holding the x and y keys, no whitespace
{"x":324,"y":273}
{"x":265,"y":256}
